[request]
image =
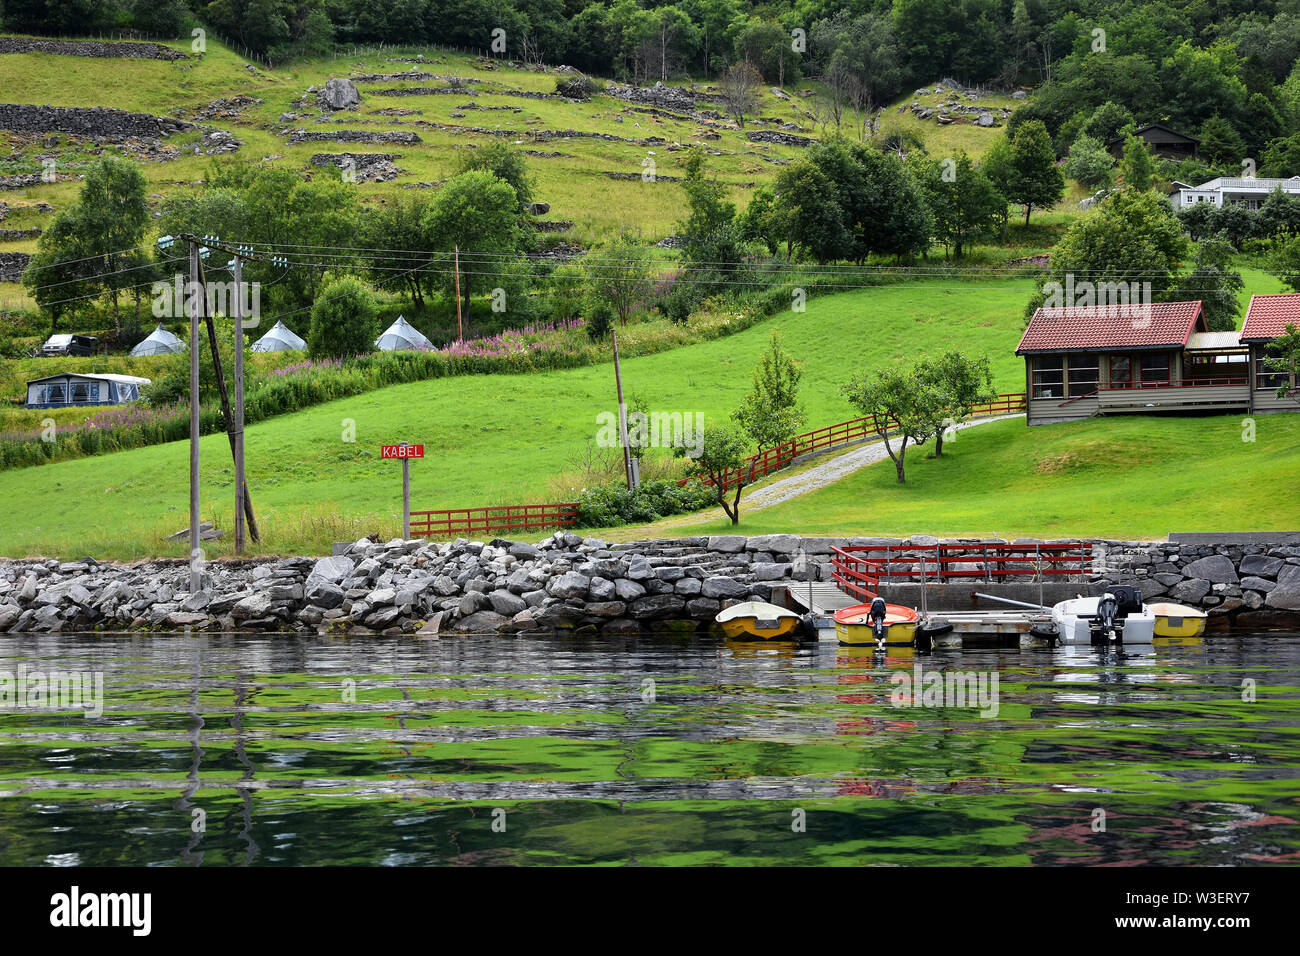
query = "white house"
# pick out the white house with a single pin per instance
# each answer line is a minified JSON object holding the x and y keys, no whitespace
{"x":1251,"y":192}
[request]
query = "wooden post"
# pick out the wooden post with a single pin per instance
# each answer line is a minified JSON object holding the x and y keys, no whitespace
{"x":622,"y":412}
{"x":196,"y":578}
{"x":460,"y":331}
{"x":406,"y":497}
{"x":238,"y":316}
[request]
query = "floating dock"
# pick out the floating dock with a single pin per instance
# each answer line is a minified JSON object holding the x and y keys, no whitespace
{"x":980,"y":625}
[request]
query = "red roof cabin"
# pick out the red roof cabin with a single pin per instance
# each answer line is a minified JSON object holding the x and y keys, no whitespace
{"x":1156,"y":358}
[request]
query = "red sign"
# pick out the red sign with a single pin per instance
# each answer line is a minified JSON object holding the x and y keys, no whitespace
{"x":401,"y":451}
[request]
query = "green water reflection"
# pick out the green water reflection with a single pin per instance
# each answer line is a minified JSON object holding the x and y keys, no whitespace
{"x":282,"y":750}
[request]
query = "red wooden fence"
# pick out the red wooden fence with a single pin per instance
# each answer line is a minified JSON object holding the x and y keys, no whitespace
{"x":854,"y":565}
{"x":493,"y":520}
{"x":774,"y":459}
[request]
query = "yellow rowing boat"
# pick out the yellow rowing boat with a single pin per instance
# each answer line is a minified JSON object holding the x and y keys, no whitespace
{"x":758,"y":619}
{"x":854,"y":626}
{"x":1177,"y":620}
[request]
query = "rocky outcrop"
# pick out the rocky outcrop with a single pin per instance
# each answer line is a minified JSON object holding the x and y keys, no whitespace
{"x":95,"y":48}
{"x":339,"y":94}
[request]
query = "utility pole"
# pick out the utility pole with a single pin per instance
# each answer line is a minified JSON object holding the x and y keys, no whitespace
{"x":196,"y":577}
{"x":233,"y":434}
{"x":460,"y":332}
{"x":622,"y":412}
{"x":240,"y":492}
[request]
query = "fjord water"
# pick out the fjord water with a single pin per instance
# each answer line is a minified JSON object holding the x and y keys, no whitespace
{"x":284,"y":750}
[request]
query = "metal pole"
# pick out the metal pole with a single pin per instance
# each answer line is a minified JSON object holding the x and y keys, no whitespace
{"x":196,"y":582}
{"x":406,"y":497}
{"x":238,"y":309}
{"x":622,"y":412}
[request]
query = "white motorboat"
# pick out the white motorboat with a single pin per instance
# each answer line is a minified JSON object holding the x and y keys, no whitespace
{"x":1116,"y":617}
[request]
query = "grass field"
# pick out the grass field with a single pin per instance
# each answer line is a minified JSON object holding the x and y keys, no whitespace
{"x":512,"y":438}
{"x":1138,"y":477}
{"x":493,"y":439}
{"x":567,"y":181}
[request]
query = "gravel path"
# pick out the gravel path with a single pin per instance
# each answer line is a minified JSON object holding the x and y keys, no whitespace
{"x":820,"y":476}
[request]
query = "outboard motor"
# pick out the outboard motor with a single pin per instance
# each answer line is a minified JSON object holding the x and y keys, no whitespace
{"x":877,"y":618}
{"x":1128,"y":599}
{"x":1108,"y":612}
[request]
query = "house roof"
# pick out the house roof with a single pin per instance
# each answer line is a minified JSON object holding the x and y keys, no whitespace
{"x":1268,"y":316}
{"x":1150,"y":126}
{"x":1247,"y":184}
{"x":1213,"y":341}
{"x":1098,"y":328}
{"x":120,"y":379}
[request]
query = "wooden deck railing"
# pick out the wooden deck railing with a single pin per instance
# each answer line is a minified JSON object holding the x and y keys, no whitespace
{"x":954,"y":563}
{"x":493,"y":520}
{"x":831,"y":436}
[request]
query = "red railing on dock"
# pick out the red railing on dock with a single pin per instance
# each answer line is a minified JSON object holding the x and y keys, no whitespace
{"x":831,"y":436}
{"x":493,"y":520}
{"x":950,"y":563}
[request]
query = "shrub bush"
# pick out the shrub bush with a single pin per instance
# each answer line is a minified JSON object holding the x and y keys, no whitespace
{"x":608,"y":505}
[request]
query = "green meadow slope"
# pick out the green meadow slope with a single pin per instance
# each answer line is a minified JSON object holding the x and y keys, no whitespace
{"x":494,"y":439}
{"x":491,"y":438}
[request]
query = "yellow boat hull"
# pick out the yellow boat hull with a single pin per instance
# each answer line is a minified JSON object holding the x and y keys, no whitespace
{"x":749,"y":628}
{"x":900,"y":634}
{"x":1177,"y":620}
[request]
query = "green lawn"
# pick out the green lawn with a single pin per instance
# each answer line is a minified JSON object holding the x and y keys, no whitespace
{"x":1136,"y":477}
{"x":492,"y":439}
{"x":496,"y":439}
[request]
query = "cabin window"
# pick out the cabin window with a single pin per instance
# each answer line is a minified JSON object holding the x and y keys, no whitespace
{"x":1121,"y":371}
{"x":1155,"y":369}
{"x":56,"y":394}
{"x":1265,"y":378}
{"x":1084,"y":371}
{"x":1049,"y":377}
{"x":80,"y":393}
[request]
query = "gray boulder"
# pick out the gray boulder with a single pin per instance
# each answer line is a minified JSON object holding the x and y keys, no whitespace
{"x":1217,"y":569}
{"x":339,"y":94}
{"x":504,"y":602}
{"x":1286,"y":596}
{"x":721,"y":587}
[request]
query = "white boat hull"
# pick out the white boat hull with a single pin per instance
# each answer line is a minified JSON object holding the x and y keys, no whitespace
{"x":1076,"y":622}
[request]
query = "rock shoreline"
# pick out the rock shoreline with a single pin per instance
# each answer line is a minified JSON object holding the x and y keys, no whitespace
{"x":563,"y":584}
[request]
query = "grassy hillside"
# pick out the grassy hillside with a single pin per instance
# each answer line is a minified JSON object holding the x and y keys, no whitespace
{"x":497,"y":439}
{"x":1127,"y":477}
{"x":567,"y":181}
{"x":492,"y":439}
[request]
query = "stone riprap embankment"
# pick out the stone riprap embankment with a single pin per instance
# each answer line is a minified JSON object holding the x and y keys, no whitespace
{"x":95,"y":48}
{"x":1250,"y":585}
{"x":565,"y":583}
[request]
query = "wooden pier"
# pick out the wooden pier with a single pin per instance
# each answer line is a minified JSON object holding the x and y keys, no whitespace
{"x":977,"y":627}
